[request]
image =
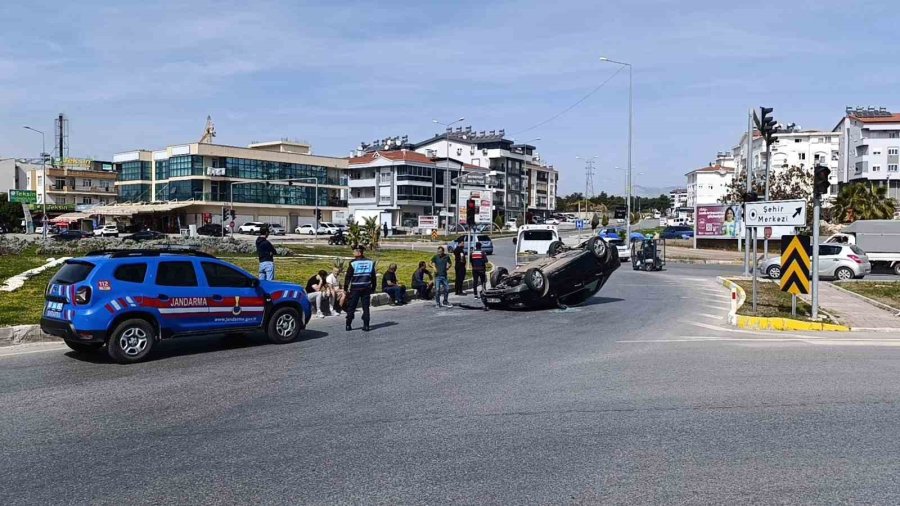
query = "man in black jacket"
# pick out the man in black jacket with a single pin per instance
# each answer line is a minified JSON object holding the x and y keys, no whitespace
{"x":266,"y":253}
{"x":359,"y":282}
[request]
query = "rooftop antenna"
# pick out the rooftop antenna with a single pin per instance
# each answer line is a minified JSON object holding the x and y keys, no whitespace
{"x":209,"y":132}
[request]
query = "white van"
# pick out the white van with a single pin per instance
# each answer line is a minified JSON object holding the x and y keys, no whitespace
{"x":533,"y":241}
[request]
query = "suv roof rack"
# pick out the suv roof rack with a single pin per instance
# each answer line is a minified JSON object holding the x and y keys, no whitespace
{"x":124,"y":253}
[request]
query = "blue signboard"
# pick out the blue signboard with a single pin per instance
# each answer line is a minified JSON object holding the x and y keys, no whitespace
{"x":579,"y":224}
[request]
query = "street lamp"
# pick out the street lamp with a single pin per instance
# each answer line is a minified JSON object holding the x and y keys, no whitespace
{"x":630,"y":118}
{"x":446,"y":171}
{"x":44,"y":181}
{"x":525,"y":171}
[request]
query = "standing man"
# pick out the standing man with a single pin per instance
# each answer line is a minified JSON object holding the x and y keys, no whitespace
{"x":385,"y":229}
{"x":441,"y":263}
{"x":266,"y":253}
{"x":360,"y":283}
{"x":478,"y":262}
{"x":459,"y":257}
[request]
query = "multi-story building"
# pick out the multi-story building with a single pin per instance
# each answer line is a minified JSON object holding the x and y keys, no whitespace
{"x":13,"y":174}
{"x":869,"y":148}
{"x":542,"y":181}
{"x":792,"y":148}
{"x":679,"y":198}
{"x":78,"y":182}
{"x":708,"y":185}
{"x":200,"y":180}
{"x":490,"y":151}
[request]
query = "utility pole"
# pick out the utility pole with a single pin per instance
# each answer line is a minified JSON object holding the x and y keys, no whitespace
{"x":767,"y":129}
{"x":748,"y":162}
{"x":43,"y":181}
{"x":820,"y":187}
{"x":448,"y":127}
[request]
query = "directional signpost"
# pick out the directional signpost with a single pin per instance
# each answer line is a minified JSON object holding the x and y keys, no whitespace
{"x":795,"y":267}
{"x":788,"y":213}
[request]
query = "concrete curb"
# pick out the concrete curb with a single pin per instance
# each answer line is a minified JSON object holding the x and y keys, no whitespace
{"x":880,"y":305}
{"x":771,"y":323}
{"x":20,"y":334}
{"x":703,"y":262}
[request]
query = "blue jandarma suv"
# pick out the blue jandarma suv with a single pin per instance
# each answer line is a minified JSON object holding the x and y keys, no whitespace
{"x":129,"y":299}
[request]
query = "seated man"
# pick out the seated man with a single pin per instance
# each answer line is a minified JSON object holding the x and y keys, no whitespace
{"x":389,"y":286}
{"x":423,"y":288}
{"x":338,"y":294}
{"x":318,"y":293}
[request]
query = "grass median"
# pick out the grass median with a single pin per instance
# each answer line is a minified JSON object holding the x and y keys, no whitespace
{"x":771,"y":302}
{"x":884,"y":292}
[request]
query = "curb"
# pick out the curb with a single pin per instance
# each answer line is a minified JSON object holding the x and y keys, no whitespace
{"x":21,"y":334}
{"x":880,"y":305}
{"x":703,"y":262}
{"x":771,"y":323}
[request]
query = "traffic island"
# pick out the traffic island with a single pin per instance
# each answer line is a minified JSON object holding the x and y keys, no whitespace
{"x":773,"y":309}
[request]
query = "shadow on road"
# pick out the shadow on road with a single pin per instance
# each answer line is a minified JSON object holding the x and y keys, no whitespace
{"x":376,"y":326}
{"x":193,"y":345}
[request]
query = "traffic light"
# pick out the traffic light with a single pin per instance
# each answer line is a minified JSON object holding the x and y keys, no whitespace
{"x":319,"y":214}
{"x":471,"y":211}
{"x":820,"y":180}
{"x":765,"y":123}
{"x":233,"y":215}
{"x":751,"y":196}
{"x":224,"y":214}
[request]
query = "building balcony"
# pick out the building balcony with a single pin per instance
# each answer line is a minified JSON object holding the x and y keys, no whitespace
{"x":362,"y":201}
{"x":93,"y":190}
{"x":362,"y":183}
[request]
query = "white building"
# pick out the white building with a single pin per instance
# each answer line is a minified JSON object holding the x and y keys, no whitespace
{"x":679,"y":198}
{"x":542,"y":181}
{"x":792,"y":148}
{"x":708,"y":185}
{"x":869,"y":148}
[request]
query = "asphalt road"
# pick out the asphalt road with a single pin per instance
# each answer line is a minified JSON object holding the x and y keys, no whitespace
{"x":640,"y":396}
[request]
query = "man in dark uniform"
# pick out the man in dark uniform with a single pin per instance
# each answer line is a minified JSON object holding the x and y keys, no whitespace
{"x":478,"y":261}
{"x":359,"y":283}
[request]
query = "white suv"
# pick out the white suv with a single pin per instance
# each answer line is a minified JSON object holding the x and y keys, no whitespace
{"x":108,"y":230}
{"x":251,"y":227}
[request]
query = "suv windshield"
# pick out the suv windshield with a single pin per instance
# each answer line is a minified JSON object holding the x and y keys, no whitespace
{"x":537,"y":235}
{"x":72,"y":272}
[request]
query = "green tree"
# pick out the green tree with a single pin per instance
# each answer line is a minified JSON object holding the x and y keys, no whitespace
{"x":605,"y":220}
{"x":863,"y":201}
{"x":10,"y":214}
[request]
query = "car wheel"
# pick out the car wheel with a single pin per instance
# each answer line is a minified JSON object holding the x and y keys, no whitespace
{"x":598,"y":247}
{"x":537,"y":281}
{"x":555,"y":248}
{"x":897,"y":268}
{"x":284,"y":325}
{"x":131,"y":341}
{"x":843,"y":273}
{"x":774,"y":271}
{"x":83,"y":347}
{"x":311,"y":233}
{"x":499,"y":274}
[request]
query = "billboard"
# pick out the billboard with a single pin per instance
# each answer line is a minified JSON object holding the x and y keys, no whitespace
{"x":484,"y":203}
{"x":23,"y":196}
{"x":719,"y":221}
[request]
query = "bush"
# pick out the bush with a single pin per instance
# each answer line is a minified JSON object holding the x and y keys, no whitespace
{"x":212,"y":245}
{"x":12,"y":246}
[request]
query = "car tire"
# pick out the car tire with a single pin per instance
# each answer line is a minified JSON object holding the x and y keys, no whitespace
{"x":536,"y":280}
{"x":311,"y":232}
{"x":131,"y":341}
{"x":897,"y":268}
{"x":843,"y":273}
{"x":499,"y":274}
{"x":284,"y":326}
{"x":555,"y":248}
{"x":774,"y":272}
{"x":598,"y":247}
{"x":83,"y":347}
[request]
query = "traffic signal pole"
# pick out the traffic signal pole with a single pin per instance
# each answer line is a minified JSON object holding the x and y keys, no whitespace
{"x":747,"y":167}
{"x":768,"y":164}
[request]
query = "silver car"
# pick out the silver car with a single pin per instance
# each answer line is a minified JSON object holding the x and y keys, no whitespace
{"x":838,"y":261}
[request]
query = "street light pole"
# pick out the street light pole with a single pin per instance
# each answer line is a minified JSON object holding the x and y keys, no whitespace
{"x":447,"y":127}
{"x":44,"y":181}
{"x":630,"y":120}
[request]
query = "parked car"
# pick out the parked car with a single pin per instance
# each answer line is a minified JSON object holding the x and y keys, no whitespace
{"x":108,"y":230}
{"x":306,"y":229}
{"x":487,"y":246}
{"x":677,"y":232}
{"x":251,"y":227}
{"x":51,"y":229}
{"x":210,"y":229}
{"x":333,"y":226}
{"x":551,"y":221}
{"x":70,"y":235}
{"x":326,"y":228}
{"x":145,"y":235}
{"x":276,"y":229}
{"x":838,"y":261}
{"x":566,"y":277}
{"x":128,"y":300}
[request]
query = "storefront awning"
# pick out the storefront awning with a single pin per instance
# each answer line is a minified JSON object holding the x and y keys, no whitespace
{"x":132,"y":209}
{"x":70,"y":217}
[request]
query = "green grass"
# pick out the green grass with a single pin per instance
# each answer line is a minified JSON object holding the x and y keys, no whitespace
{"x":886,"y":293}
{"x":772,"y":302}
{"x":24,"y":306}
{"x":10,"y":265}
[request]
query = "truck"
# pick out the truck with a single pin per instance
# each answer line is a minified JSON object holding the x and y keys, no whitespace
{"x":533,"y":242}
{"x":880,"y":239}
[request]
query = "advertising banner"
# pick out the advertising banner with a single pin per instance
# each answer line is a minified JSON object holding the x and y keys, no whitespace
{"x":719,"y":221}
{"x":484,"y":202}
{"x":23,"y":196}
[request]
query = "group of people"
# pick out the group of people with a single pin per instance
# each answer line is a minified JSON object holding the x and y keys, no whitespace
{"x":328,"y":293}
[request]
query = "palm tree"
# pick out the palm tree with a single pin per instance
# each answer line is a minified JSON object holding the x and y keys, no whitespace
{"x":863,"y":201}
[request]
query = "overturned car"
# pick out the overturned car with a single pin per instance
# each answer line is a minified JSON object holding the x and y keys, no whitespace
{"x":566,"y":277}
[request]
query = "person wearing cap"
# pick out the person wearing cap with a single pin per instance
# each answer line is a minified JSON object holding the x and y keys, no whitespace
{"x":359,"y":282}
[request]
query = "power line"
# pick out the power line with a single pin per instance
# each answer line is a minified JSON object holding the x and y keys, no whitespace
{"x":567,"y":109}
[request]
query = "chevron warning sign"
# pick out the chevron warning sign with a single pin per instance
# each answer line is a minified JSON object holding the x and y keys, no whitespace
{"x":795,"y":264}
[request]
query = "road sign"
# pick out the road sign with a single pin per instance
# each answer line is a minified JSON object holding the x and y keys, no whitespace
{"x":579,"y":224}
{"x":795,"y":264}
{"x":23,"y":196}
{"x":428,"y":221}
{"x":790,"y":213}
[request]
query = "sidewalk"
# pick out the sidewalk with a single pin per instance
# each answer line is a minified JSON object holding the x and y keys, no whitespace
{"x":855,"y":313}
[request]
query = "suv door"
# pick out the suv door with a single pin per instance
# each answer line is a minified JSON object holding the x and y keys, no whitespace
{"x":181,"y":302}
{"x":234,"y":297}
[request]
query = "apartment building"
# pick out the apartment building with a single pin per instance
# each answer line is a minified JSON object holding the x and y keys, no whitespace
{"x":198,"y":181}
{"x":869,"y":147}
{"x":541,"y":187}
{"x":707,"y":185}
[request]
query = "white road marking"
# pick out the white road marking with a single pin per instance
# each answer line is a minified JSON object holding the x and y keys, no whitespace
{"x":821,"y":341}
{"x":713,"y":316}
{"x":19,"y":351}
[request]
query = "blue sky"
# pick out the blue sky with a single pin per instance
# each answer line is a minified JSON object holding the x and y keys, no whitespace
{"x":145,"y":74}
